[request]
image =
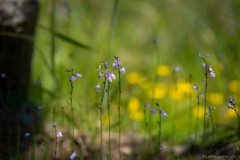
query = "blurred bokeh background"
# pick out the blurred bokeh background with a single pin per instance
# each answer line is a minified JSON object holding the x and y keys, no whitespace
{"x":80,"y":35}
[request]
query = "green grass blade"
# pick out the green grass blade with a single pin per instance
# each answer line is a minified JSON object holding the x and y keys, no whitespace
{"x":52,"y":22}
{"x":17,"y":35}
{"x":65,"y":38}
{"x":113,"y":27}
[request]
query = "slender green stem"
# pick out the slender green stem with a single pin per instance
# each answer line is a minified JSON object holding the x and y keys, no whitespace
{"x":108,"y":103}
{"x":212,"y":131}
{"x":52,"y":33}
{"x":101,"y":118}
{"x":205,"y":98}
{"x":159,"y":133}
{"x":198,"y":103}
{"x":119,"y":113}
{"x":234,"y":108}
{"x":71,"y":92}
{"x":55,"y":145}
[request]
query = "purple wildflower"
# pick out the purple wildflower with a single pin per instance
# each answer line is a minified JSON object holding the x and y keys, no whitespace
{"x":157,"y":104}
{"x":153,"y":110}
{"x":27,"y":134}
{"x":109,"y":75}
{"x":194,"y":86}
{"x":40,"y":82}
{"x":207,"y":55}
{"x":163,"y":114}
{"x":3,"y":75}
{"x":199,"y":55}
{"x":155,"y":39}
{"x":207,"y":112}
{"x":229,"y":105}
{"x":211,"y":72}
{"x":99,"y":68}
{"x":146,"y":106}
{"x":122,"y":70}
{"x":231,"y":100}
{"x":39,"y":107}
{"x":202,"y":95}
{"x":73,"y":155}
{"x":98,"y":86}
{"x":54,"y":125}
{"x":34,"y":82}
{"x":59,"y":134}
{"x":78,"y":75}
{"x":203,"y":65}
{"x":176,"y":69}
{"x":72,"y":78}
{"x":213,"y":108}
{"x":68,"y":70}
{"x":100,"y":75}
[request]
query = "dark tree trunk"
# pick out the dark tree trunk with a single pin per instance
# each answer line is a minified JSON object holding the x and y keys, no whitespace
{"x":17,"y":19}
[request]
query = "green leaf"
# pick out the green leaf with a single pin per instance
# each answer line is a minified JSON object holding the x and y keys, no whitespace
{"x":18,"y":35}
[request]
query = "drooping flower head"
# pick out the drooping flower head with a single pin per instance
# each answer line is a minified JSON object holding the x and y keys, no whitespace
{"x":54,"y":125}
{"x":73,"y":155}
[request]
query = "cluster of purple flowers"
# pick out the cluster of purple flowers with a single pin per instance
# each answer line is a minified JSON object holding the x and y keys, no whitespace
{"x":35,"y":82}
{"x":73,"y":76}
{"x":107,"y":73}
{"x":231,"y":104}
{"x":208,"y":111}
{"x":153,"y":111}
{"x":210,"y":70}
{"x":97,"y":88}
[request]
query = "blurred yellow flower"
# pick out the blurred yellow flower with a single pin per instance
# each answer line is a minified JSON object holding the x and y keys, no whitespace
{"x":145,"y":83}
{"x":174,"y":94}
{"x":185,"y":87}
{"x":164,"y":70}
{"x":160,"y":90}
{"x":216,"y":98}
{"x":136,"y":115}
{"x":105,"y":120}
{"x":234,"y":85}
{"x":200,"y":112}
{"x":133,"y":104}
{"x":231,"y":113}
{"x":133,"y":78}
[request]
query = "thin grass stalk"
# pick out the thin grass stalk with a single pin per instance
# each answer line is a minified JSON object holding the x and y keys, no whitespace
{"x":101,"y":117}
{"x":205,"y":111}
{"x":212,"y":131}
{"x":194,"y":153}
{"x":71,"y":92}
{"x":108,"y":103}
{"x":159,"y":133}
{"x":119,"y":114}
{"x":52,"y":22}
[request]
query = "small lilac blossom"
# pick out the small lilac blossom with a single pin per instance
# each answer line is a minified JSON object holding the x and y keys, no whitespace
{"x":40,"y":82}
{"x":176,"y":69}
{"x":39,"y":107}
{"x":53,"y":124}
{"x":99,"y":68}
{"x":203,"y":65}
{"x":194,"y":86}
{"x":199,"y":55}
{"x":122,"y":70}
{"x":73,"y":155}
{"x":69,"y":10}
{"x":100,"y":75}
{"x":207,"y":112}
{"x":207,"y":55}
{"x":3,"y":75}
{"x":212,"y":74}
{"x":231,"y":100}
{"x":229,"y":105}
{"x":146,"y":106}
{"x":202,"y":95}
{"x":109,"y":75}
{"x":68,"y":70}
{"x":98,"y":86}
{"x":59,"y":134}
{"x":163,"y":114}
{"x":155,"y":39}
{"x":160,"y":147}
{"x":116,"y":63}
{"x":65,"y":4}
{"x":213,"y":108}
{"x":153,"y":110}
{"x":237,"y":147}
{"x":27,"y":134}
{"x":72,"y":78}
{"x":105,"y":64}
{"x":157,"y":104}
{"x":78,"y":75}
{"x":34,"y":83}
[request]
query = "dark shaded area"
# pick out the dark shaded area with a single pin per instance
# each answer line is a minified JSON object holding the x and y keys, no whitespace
{"x":17,"y":27}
